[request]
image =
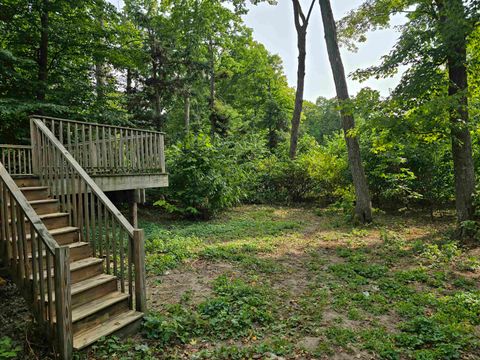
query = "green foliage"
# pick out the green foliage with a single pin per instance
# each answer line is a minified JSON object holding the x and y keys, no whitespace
{"x":8,"y":350}
{"x":203,"y":179}
{"x":112,"y":347}
{"x":165,"y":249}
{"x":236,"y":310}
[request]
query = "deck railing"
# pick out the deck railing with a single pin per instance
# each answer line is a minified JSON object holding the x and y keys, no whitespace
{"x":17,"y":159}
{"x":101,"y":224}
{"x":39,"y":266}
{"x":110,"y":150}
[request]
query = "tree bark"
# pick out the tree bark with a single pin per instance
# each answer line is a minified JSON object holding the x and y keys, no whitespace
{"x":157,"y":107}
{"x":211,"y":101}
{"x":363,"y":211}
{"x":43,"y":52}
{"x":454,"y":33}
{"x":301,"y":24}
{"x":186,"y":113}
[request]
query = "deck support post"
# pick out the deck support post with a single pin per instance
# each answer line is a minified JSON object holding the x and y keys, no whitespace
{"x":63,"y":303}
{"x":139,"y":262}
{"x":136,"y":197}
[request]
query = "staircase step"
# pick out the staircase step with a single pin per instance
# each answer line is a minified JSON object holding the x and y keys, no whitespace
{"x":51,"y":221}
{"x":63,"y":236}
{"x":85,"y":268}
{"x":55,"y":220}
{"x":114,"y":325}
{"x":81,"y":269}
{"x":99,"y":310}
{"x":78,"y":251}
{"x":45,"y":206}
{"x":35,"y":192}
{"x":91,"y":289}
{"x":28,"y":180}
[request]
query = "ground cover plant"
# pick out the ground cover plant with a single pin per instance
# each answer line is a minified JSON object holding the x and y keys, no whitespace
{"x":269,"y":282}
{"x":282,"y":282}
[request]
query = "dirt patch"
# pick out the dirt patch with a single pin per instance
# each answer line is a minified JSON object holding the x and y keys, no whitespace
{"x":195,"y":278}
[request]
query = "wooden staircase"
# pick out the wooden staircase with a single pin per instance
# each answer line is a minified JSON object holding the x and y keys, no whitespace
{"x":98,"y":307}
{"x":75,"y":258}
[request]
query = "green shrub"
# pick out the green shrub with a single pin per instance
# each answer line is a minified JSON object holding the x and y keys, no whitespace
{"x":8,"y":350}
{"x":203,"y":179}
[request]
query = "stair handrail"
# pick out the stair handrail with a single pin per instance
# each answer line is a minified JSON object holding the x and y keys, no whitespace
{"x":35,"y":283}
{"x":91,"y":211}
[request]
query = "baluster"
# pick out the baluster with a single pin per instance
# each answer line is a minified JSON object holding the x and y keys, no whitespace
{"x":104,"y":152}
{"x":41,"y":279}
{"x":107,"y":239}
{"x":76,"y":144}
{"x":5,"y":223}
{"x":120,"y":152}
{"x":122,"y":259}
{"x":114,"y":247}
{"x":162,"y":153}
{"x":142,"y":151}
{"x":100,"y":230}
{"x":50,"y":287}
{"x":93,"y":225}
{"x":34,"y":247}
{"x":22,"y":250}
{"x":80,"y":211}
{"x":97,"y":150}
{"x":86,"y":215}
{"x":111,"y":145}
{"x":130,"y":270}
{"x":85,"y":164}
{"x":14,"y":233}
{"x":138,"y":147}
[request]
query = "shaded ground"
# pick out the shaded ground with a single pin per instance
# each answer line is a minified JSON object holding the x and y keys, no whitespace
{"x":270,"y":283}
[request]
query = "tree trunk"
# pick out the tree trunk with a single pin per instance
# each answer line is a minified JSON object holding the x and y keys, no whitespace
{"x":211,"y":102}
{"x":454,"y":32}
{"x":363,"y":211}
{"x":157,"y":107}
{"x":43,"y":52}
{"x":297,"y":112}
{"x":186,"y":113}
{"x":301,"y":25}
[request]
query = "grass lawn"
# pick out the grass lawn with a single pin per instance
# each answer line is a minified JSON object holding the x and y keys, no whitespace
{"x":273,"y":282}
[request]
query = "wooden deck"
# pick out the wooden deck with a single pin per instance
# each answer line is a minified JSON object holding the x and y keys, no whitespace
{"x":117,"y":158}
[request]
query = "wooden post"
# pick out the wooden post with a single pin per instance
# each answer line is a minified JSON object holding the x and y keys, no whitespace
{"x":33,"y":140}
{"x":63,"y":303}
{"x":132,"y":200}
{"x":139,"y":262}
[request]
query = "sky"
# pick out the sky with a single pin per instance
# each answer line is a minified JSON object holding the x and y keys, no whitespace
{"x":274,"y":27}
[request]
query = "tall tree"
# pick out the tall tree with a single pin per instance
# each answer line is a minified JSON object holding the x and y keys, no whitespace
{"x":363,"y":210}
{"x":301,"y":25}
{"x":433,"y":43}
{"x":43,"y":51}
{"x":454,"y":31}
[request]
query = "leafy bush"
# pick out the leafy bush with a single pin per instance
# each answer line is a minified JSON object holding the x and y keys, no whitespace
{"x":317,"y":174}
{"x":8,"y":350}
{"x":203,"y":179}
